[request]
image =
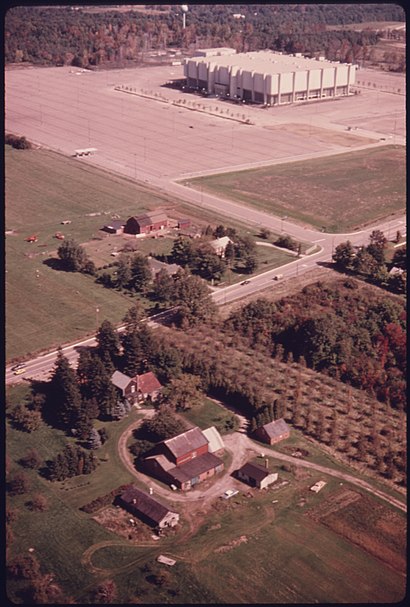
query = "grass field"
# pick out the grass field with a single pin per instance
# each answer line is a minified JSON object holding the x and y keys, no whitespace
{"x":337,"y":193}
{"x":46,"y":307}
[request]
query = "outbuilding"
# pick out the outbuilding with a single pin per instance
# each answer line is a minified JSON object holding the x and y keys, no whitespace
{"x":148,"y":509}
{"x":152,"y":221}
{"x":273,"y":432}
{"x":256,"y":475}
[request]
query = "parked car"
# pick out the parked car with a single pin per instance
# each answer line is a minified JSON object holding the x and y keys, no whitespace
{"x":20,"y":371}
{"x":245,"y":282}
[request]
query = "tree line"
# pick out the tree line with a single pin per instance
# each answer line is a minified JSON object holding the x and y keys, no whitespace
{"x":51,"y":36}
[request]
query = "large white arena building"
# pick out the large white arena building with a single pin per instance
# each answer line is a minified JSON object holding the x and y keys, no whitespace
{"x":267,"y":77}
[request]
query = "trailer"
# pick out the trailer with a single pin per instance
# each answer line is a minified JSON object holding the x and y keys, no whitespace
{"x":85,"y":152}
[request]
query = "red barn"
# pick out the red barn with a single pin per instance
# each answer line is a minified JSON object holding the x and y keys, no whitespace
{"x":273,"y":432}
{"x":186,"y":446}
{"x":151,"y":221}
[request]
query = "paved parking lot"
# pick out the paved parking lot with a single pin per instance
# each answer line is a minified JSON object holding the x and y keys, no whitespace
{"x":66,"y":109}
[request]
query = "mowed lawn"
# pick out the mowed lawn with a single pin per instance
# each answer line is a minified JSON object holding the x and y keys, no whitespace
{"x":46,"y":307}
{"x":338,"y":193}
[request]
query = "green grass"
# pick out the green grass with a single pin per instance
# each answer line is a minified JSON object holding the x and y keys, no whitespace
{"x":46,"y":307}
{"x":338,"y":193}
{"x":208,"y":414}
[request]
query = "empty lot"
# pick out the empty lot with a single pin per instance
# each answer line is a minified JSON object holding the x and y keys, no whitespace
{"x":65,"y":109}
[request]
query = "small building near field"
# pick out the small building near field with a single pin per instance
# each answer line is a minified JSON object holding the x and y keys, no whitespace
{"x":215,"y":442}
{"x":219,"y":245}
{"x":152,"y":221}
{"x":256,"y":475}
{"x":147,"y":509}
{"x":137,"y":389}
{"x":272,"y":433}
{"x":114,"y":227}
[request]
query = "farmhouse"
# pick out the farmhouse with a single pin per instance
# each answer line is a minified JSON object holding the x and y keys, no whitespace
{"x":267,"y":77}
{"x":151,"y":221}
{"x":219,"y":245}
{"x":156,"y":266}
{"x":183,"y":461}
{"x":273,"y":432}
{"x":137,"y":389}
{"x":148,"y":509}
{"x":256,"y":475}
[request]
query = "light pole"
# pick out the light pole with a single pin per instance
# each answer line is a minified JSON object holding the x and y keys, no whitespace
{"x":281,"y":222}
{"x":96,"y":314}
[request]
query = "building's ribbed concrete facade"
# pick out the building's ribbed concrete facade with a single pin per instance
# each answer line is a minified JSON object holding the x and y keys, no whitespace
{"x":267,"y":77}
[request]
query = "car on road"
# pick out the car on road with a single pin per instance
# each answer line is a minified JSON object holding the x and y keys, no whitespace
{"x":278,"y":277}
{"x":17,"y":367}
{"x":229,"y":493}
{"x":245,"y":282}
{"x":20,"y":371}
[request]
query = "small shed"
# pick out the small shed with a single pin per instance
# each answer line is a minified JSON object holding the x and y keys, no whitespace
{"x":273,"y":432}
{"x":114,"y":227}
{"x":256,"y":475}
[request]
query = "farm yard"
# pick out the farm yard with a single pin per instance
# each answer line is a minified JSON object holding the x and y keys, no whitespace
{"x":311,"y":542}
{"x":339,"y":194}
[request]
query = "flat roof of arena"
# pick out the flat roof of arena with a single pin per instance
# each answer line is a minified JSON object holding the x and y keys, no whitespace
{"x":266,"y":62}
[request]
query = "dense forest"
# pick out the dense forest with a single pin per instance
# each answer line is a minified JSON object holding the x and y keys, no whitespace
{"x":347,"y":331}
{"x":86,"y":37}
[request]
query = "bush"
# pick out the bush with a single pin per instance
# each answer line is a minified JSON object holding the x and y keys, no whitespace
{"x":286,"y":242}
{"x":19,"y":143}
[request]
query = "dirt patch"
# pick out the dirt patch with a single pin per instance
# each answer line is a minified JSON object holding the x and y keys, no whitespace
{"x":240,"y":540}
{"x":117,"y":521}
{"x":323,"y":135}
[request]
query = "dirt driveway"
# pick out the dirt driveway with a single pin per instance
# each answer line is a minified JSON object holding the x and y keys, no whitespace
{"x":241,"y":448}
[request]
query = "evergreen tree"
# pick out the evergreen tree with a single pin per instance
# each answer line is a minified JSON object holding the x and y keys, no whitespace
{"x":134,"y":354}
{"x":133,"y":317}
{"x":107,"y":342}
{"x":65,"y":392}
{"x":140,"y":273}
